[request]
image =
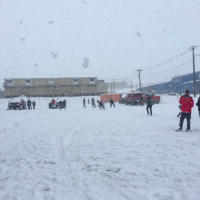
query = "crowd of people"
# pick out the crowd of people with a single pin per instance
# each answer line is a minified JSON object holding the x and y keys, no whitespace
{"x":59,"y":104}
{"x":29,"y":104}
{"x":100,"y":104}
{"x":186,"y":104}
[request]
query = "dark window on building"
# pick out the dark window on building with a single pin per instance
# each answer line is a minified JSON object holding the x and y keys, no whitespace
{"x":9,"y":81}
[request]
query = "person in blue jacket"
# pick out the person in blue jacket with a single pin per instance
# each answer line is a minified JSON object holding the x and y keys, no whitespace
{"x":29,"y":103}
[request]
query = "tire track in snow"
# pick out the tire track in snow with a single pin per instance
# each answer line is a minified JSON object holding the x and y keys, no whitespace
{"x":87,"y":170}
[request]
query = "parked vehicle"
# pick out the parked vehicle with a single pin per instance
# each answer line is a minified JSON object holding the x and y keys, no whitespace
{"x":156,"y":99}
{"x":122,"y":99}
{"x":133,"y":98}
{"x":58,"y":105}
{"x":17,"y":105}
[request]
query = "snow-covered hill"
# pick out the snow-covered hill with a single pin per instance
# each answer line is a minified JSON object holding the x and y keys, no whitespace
{"x":91,"y":154}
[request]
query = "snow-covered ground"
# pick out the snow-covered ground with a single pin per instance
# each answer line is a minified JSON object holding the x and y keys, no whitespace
{"x":91,"y":154}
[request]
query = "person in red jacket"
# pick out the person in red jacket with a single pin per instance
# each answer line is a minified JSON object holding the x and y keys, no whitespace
{"x":53,"y":102}
{"x":187,"y":103}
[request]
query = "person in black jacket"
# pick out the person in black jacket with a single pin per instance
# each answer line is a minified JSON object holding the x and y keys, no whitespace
{"x":93,"y":103}
{"x":112,"y":103}
{"x":149,"y":105}
{"x":84,"y":103}
{"x":100,"y":104}
{"x":198,"y":104}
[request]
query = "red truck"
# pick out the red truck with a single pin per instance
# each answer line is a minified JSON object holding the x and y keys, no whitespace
{"x":122,"y":98}
{"x":156,"y":99}
{"x":133,"y":98}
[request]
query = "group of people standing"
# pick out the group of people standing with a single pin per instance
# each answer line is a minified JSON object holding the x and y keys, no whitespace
{"x":100,"y":103}
{"x":29,"y":104}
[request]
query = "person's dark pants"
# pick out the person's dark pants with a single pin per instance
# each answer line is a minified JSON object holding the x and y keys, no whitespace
{"x":112,"y":104}
{"x":149,"y":107}
{"x":188,"y":117}
{"x":84,"y":105}
{"x":199,"y":111}
{"x":93,"y":105}
{"x":101,"y":107}
{"x":29,"y":107}
{"x":33,"y":107}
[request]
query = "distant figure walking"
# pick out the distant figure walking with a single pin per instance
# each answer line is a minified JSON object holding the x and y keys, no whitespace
{"x":141,"y":101}
{"x":187,"y":103}
{"x":29,"y":103}
{"x":64,"y":103}
{"x":88,"y":101}
{"x":34,"y":104}
{"x":112,"y":103}
{"x":149,"y":105}
{"x":93,"y":103}
{"x":84,"y":103}
{"x":198,"y":104}
{"x":100,"y":104}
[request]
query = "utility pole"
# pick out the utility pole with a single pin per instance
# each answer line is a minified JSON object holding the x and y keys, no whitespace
{"x":194,"y":77}
{"x":113,"y":85}
{"x":139,"y":70}
{"x":131,"y":85}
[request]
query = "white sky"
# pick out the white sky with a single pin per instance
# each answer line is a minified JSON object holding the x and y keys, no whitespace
{"x":104,"y":31}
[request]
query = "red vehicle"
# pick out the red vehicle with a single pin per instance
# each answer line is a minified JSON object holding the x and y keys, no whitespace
{"x":122,"y":98}
{"x":156,"y":99}
{"x":133,"y":98}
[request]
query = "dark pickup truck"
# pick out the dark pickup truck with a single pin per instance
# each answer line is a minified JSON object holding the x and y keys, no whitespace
{"x":155,"y":99}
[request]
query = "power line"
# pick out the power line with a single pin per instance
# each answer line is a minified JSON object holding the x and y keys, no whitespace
{"x":169,"y":60}
{"x":172,"y":68}
{"x":188,"y":50}
{"x":127,"y":77}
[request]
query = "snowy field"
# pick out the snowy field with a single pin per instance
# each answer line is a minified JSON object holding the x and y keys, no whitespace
{"x":91,"y":154}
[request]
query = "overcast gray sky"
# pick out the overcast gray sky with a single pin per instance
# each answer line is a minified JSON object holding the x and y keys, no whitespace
{"x":51,"y":38}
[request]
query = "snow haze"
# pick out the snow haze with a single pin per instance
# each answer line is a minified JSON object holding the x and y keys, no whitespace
{"x":118,"y":37}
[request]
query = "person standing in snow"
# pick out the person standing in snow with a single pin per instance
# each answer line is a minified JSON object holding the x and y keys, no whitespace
{"x":29,"y":104}
{"x":100,"y":104}
{"x":84,"y":103}
{"x":149,"y":105}
{"x":112,"y":103}
{"x":187,"y":103}
{"x":88,"y":101}
{"x":198,"y":104}
{"x":53,"y":102}
{"x":141,"y":101}
{"x":34,"y":104}
{"x":93,"y":103}
{"x":64,"y":103}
